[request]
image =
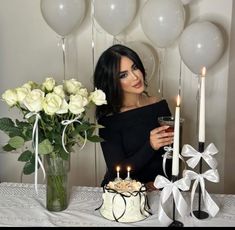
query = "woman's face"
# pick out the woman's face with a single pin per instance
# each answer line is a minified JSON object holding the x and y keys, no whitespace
{"x":131,"y":78}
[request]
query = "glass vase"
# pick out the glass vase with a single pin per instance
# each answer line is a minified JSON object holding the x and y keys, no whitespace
{"x":57,"y":191}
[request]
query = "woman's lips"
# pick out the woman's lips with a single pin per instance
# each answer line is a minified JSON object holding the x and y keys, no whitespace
{"x":138,"y":85}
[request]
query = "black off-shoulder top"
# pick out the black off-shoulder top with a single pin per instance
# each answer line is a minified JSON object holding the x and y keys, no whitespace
{"x":126,"y":143}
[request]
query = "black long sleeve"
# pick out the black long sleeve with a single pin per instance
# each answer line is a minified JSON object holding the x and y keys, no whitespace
{"x":126,"y":142}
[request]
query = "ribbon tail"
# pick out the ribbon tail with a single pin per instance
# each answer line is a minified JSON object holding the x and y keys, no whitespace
{"x":66,"y":123}
{"x":162,"y":216}
{"x":164,"y":165}
{"x":192,"y":196}
{"x":63,"y":137}
{"x":180,"y":203}
{"x":42,"y":167}
{"x":166,"y":156}
{"x":210,"y":205}
{"x":36,"y":164}
{"x":84,"y":143}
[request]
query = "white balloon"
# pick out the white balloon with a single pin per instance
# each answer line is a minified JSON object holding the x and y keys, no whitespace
{"x":147,"y":56}
{"x":163,"y":21}
{"x":114,"y":15}
{"x":201,"y":44}
{"x":63,"y":15}
{"x":185,"y":2}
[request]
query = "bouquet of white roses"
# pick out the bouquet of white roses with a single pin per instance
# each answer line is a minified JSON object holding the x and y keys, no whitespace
{"x":54,"y":119}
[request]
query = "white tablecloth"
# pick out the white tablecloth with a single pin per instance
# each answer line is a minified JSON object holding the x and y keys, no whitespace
{"x":21,"y":206}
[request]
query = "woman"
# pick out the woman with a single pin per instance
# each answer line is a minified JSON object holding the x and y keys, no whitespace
{"x":132,"y":135}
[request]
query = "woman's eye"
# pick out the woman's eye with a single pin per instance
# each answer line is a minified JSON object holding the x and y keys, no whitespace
{"x":134,"y":67}
{"x":122,"y":75}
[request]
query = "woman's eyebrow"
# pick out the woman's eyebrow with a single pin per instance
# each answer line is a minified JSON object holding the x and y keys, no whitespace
{"x":124,"y":71}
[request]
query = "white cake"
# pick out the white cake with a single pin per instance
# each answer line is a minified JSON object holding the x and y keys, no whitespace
{"x":125,"y":201}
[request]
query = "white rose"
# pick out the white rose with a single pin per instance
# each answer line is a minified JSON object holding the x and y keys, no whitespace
{"x":48,"y":84}
{"x":98,"y":97}
{"x":33,"y":101}
{"x":72,"y":86}
{"x":21,"y":93}
{"x":59,"y":91}
{"x":10,"y":97}
{"x":82,"y":91}
{"x":77,"y":104}
{"x":29,"y":85}
{"x":63,"y":108}
{"x":52,"y":103}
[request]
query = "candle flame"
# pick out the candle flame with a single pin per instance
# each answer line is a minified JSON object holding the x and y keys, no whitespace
{"x":118,"y":168}
{"x":204,"y":71}
{"x":178,"y":100}
{"x":128,"y":168}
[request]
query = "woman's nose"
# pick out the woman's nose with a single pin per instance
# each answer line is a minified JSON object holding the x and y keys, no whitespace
{"x":134,"y":75}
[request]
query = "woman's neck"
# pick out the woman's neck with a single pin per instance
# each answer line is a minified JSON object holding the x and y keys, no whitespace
{"x":137,"y":101}
{"x":133,"y":101}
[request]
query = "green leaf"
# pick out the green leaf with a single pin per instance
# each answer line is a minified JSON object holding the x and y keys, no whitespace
{"x":95,"y":138}
{"x":64,"y":155}
{"x":45,"y":147}
{"x":8,"y":148}
{"x":15,"y":131}
{"x":25,"y":156}
{"x":81,"y":128}
{"x":29,"y":168}
{"x":16,"y":142}
{"x":6,"y":124}
{"x":27,"y":134}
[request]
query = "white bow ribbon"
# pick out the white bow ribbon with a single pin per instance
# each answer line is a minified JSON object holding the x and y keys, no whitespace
{"x":189,"y":151}
{"x":168,"y":155}
{"x":35,"y":147}
{"x":66,"y":123}
{"x":168,"y":189}
{"x":211,"y":175}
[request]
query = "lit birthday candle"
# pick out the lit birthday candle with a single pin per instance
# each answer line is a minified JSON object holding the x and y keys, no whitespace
{"x":201,"y":135}
{"x":118,"y":172}
{"x":175,"y":161}
{"x":128,"y":173}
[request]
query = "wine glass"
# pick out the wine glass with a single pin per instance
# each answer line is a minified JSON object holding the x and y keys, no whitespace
{"x":169,"y":121}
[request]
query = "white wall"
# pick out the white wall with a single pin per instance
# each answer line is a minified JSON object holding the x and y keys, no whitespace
{"x":229,"y":162}
{"x":29,"y":51}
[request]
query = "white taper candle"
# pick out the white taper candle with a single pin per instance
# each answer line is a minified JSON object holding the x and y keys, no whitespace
{"x":201,"y":131}
{"x":175,"y":161}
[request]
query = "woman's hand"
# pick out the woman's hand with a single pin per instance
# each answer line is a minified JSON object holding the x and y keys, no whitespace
{"x":159,"y":137}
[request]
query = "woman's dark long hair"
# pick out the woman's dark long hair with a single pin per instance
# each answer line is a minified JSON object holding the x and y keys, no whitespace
{"x":106,"y":77}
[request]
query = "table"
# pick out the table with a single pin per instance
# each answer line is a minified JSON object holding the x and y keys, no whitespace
{"x":21,"y":206}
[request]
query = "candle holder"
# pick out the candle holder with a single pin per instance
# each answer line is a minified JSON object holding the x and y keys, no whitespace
{"x":199,"y":213}
{"x":175,"y":223}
